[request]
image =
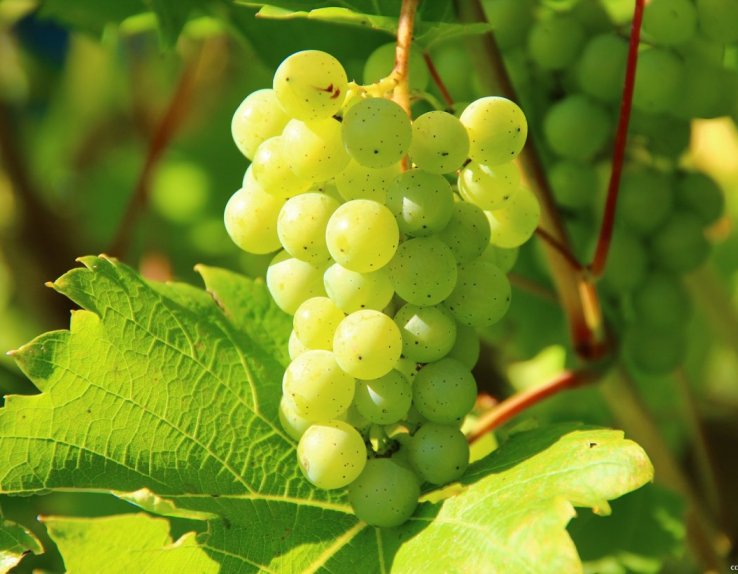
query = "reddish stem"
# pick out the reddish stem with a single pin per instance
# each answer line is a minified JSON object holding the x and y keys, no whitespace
{"x":560,"y":247}
{"x":438,"y":80}
{"x":618,"y":154}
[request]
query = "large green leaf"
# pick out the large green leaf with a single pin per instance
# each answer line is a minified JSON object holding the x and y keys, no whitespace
{"x":170,"y":394}
{"x":15,"y":543}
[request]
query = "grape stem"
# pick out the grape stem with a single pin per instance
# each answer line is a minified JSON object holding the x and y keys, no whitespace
{"x":618,"y":154}
{"x":560,"y":247}
{"x":437,"y":80}
{"x":401,"y":92}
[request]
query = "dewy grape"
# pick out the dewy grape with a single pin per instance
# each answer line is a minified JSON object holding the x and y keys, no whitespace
{"x":387,"y":266}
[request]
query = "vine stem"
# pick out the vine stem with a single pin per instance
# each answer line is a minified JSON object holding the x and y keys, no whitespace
{"x":437,"y":80}
{"x":560,"y":247}
{"x":621,"y":137}
{"x":405,"y":25}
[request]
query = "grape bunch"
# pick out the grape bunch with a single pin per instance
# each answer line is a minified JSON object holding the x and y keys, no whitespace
{"x":393,"y":238}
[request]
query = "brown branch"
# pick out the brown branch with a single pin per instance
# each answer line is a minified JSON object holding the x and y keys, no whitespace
{"x":437,"y":80}
{"x":560,"y":247}
{"x":618,"y":154}
{"x":532,"y":287}
{"x":401,"y":93}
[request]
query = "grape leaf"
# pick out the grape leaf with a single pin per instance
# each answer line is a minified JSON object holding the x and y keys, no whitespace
{"x":170,"y":394}
{"x":15,"y":543}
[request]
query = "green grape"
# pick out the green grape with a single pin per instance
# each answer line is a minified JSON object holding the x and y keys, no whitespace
{"x":315,"y":322}
{"x":515,"y":223}
{"x":367,"y":344}
{"x":488,"y":187}
{"x":258,"y":118}
{"x":481,"y":296}
{"x":439,"y":453}
{"x":661,"y":301}
{"x":645,"y":199}
{"x":428,"y":333}
{"x":407,"y":367}
{"x":310,"y":85}
{"x":384,"y":400}
{"x":592,"y":16}
{"x":356,"y":419}
{"x":653,"y":351}
{"x":251,"y":220}
{"x":500,"y":257}
{"x":381,"y":62}
{"x":577,"y":128}
{"x":423,"y":271}
{"x":362,"y":235}
{"x":302,"y":224}
{"x":667,"y":135}
{"x":670,"y":22}
{"x":316,"y":150}
{"x":294,"y":347}
{"x":317,"y":387}
{"x":717,"y":19}
{"x":702,"y":91}
{"x":497,"y":130}
{"x":291,"y":281}
{"x":467,"y":233}
{"x":680,"y":244}
{"x":444,"y":392}
{"x":385,"y":494}
{"x":452,"y":63}
{"x":601,"y":68}
{"x":332,"y":454}
{"x":627,"y":262}
{"x":575,"y":183}
{"x":554,"y":43}
{"x":420,"y":201}
{"x":271,"y":170}
{"x":376,"y":132}
{"x":292,"y":423}
{"x":359,"y":182}
{"x":352,"y":291}
{"x":512,"y":19}
{"x":659,"y":80}
{"x":466,"y":346}
{"x":700,"y":194}
{"x":440,"y":143}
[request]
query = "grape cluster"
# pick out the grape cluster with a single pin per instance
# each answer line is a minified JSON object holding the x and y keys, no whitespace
{"x":385,"y":268}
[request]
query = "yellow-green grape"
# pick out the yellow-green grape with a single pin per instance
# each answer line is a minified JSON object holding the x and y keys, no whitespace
{"x":466,"y":346}
{"x":331,"y":454}
{"x":310,"y":85}
{"x":577,"y":127}
{"x":258,"y":118}
{"x":671,"y":22}
{"x":444,"y":392}
{"x":292,"y":423}
{"x":497,"y":130}
{"x":489,"y":187}
{"x":482,"y":294}
{"x":440,"y":143}
{"x":554,"y":43}
{"x":659,"y":80}
{"x":315,"y":322}
{"x":439,"y":453}
{"x":319,"y":389}
{"x":271,"y":170}
{"x":356,"y":419}
{"x":385,"y":494}
{"x":316,"y":150}
{"x":467,"y":233}
{"x":367,"y":344}
{"x":384,"y":400}
{"x":294,"y":347}
{"x":381,"y":61}
{"x":407,"y":367}
{"x":291,"y":281}
{"x":515,"y":223}
{"x":423,"y":271}
{"x":428,"y":333}
{"x":359,"y":182}
{"x":421,"y":202}
{"x":376,"y":132}
{"x":362,"y":235}
{"x":251,"y":220}
{"x":499,"y":256}
{"x":301,"y":226}
{"x":352,"y":291}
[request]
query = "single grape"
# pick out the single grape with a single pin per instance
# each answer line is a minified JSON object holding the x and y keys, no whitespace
{"x":512,"y":20}
{"x":302,"y":224}
{"x":316,"y":150}
{"x":251,"y":220}
{"x":717,"y":19}
{"x":310,"y":85}
{"x":488,"y":187}
{"x":332,"y":454}
{"x":645,"y":199}
{"x":500,"y":257}
{"x":294,"y":347}
{"x":577,"y":127}
{"x":574,"y":183}
{"x":385,"y":494}
{"x":423,"y":272}
{"x":420,"y":201}
{"x":271,"y":170}
{"x":700,"y":194}
{"x":367,"y":344}
{"x":601,"y":68}
{"x":653,"y":351}
{"x":497,"y":130}
{"x":444,"y":392}
{"x":627,"y":262}
{"x":352,"y":291}
{"x":381,"y":61}
{"x":384,"y":400}
{"x":439,"y":453}
{"x":515,"y":223}
{"x":428,"y":333}
{"x":258,"y":118}
{"x":376,"y":132}
{"x":467,"y":233}
{"x":680,"y":244}
{"x":554,"y":43}
{"x":659,"y":80}
{"x":291,"y":281}
{"x":440,"y":143}
{"x":466,"y":346}
{"x":481,"y":296}
{"x":359,"y":182}
{"x":318,"y":388}
{"x":292,"y":423}
{"x":362,"y":235}
{"x":661,"y":301}
{"x":315,"y":322}
{"x":670,"y":22}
